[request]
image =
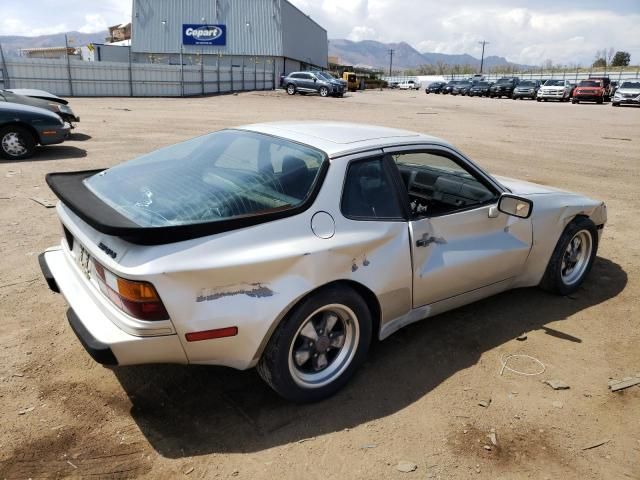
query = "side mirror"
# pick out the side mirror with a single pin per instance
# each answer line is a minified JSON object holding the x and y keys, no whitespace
{"x":515,"y":206}
{"x":315,"y":80}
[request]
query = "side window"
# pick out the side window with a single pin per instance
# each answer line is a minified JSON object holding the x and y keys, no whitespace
{"x":369,"y":193}
{"x":436,"y":185}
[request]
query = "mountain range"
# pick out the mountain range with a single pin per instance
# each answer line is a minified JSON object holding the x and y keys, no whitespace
{"x":376,"y":54}
{"x":11,"y":44}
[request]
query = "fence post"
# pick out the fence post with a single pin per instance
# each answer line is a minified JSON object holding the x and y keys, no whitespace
{"x":244,"y":87}
{"x":66,"y":53}
{"x":5,"y":70}
{"x":181,"y":73}
{"x":218,"y":76}
{"x":264,"y":74}
{"x":231,"y":63}
{"x":130,"y":75}
{"x":255,"y":73}
{"x":202,"y":70}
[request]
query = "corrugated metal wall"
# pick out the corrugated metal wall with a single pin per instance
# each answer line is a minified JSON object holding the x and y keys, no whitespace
{"x":302,"y":38}
{"x":253,"y":26}
{"x":106,"y":79}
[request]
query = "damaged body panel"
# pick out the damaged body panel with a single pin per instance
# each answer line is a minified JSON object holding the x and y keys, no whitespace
{"x":362,"y":230}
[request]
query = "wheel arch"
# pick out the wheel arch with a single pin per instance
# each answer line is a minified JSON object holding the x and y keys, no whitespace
{"x":365,"y":292}
{"x":26,"y":126}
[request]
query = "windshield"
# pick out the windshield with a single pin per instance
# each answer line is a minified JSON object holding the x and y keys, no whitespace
{"x":220,"y":176}
{"x":482,"y":84}
{"x":527,"y":83}
{"x":589,"y":83}
{"x":505,"y":80}
{"x":630,"y":85}
{"x":325,"y":75}
{"x":554,"y":83}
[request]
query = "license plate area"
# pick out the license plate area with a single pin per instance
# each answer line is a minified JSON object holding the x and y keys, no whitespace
{"x":82,"y":258}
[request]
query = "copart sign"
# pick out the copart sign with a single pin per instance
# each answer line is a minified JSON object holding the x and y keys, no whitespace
{"x":204,"y":34}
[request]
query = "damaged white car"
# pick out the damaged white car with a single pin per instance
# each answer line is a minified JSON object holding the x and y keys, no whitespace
{"x":293,"y":246}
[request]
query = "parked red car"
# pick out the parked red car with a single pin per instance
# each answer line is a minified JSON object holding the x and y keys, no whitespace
{"x":589,"y":91}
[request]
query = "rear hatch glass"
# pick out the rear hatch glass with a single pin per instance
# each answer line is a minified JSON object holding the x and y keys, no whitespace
{"x":221,"y":176}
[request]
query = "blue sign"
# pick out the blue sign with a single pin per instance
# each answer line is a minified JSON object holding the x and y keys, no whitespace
{"x":204,"y":34}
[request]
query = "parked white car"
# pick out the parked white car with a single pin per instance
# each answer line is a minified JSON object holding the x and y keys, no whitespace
{"x":628,"y":93}
{"x":409,"y":85}
{"x":554,"y":90}
{"x":291,"y":246}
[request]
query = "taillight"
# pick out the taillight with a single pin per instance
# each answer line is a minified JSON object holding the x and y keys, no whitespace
{"x":138,"y":299}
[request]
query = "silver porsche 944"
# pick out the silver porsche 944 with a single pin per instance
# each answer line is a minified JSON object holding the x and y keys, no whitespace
{"x":292,"y":246}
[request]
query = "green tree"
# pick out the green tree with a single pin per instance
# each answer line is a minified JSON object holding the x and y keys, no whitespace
{"x":600,"y":62}
{"x":621,"y":59}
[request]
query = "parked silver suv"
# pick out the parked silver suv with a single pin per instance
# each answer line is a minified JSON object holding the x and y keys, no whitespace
{"x":312,"y":82}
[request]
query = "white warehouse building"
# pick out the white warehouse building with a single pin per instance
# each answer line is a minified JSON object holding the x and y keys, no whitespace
{"x":243,"y":35}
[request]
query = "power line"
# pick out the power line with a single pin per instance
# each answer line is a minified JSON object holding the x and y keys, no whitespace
{"x":483,"y":43}
{"x":390,"y":60}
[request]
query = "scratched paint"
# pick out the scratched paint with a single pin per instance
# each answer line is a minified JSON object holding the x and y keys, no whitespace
{"x":254,"y":290}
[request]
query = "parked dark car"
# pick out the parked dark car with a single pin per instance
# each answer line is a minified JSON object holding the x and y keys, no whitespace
{"x":327,"y":76}
{"x":606,"y":84}
{"x":480,"y":89}
{"x":22,"y":127}
{"x":435,"y":87}
{"x":448,"y":88}
{"x":461,"y":88}
{"x":42,"y":94}
{"x":309,"y":82}
{"x":504,"y":87}
{"x":526,"y":89}
{"x":60,"y":109}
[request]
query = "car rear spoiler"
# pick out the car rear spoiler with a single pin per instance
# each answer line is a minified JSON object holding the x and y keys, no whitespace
{"x":72,"y":191}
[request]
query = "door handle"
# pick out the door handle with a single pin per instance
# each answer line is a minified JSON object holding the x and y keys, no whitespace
{"x":426,"y":240}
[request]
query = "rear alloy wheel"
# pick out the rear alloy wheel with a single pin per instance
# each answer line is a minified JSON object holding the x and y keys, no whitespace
{"x":16,"y":143}
{"x":324,"y":92}
{"x":291,"y":89}
{"x":572,"y":258}
{"x":319,"y":346}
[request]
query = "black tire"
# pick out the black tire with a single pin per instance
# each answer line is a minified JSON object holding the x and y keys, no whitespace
{"x":538,"y":99}
{"x":552,"y":280}
{"x":614,"y":104}
{"x":274,"y":366}
{"x":15,"y":133}
{"x":574,"y":101}
{"x":599,"y":101}
{"x":291,"y":89}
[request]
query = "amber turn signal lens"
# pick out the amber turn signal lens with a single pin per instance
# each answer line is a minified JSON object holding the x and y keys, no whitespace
{"x":137,"y":291}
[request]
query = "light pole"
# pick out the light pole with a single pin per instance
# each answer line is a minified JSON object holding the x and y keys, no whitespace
{"x":390,"y":61}
{"x":483,"y":43}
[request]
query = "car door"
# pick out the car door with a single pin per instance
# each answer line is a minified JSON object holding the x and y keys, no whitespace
{"x":459,"y":240}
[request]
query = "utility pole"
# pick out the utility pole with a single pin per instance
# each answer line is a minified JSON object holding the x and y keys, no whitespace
{"x":390,"y":61}
{"x":66,"y":52}
{"x":483,"y":43}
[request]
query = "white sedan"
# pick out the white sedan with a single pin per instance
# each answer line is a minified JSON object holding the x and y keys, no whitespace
{"x":293,"y":246}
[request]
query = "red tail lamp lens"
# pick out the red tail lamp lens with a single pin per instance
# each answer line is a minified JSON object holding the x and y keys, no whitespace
{"x":135,"y":298}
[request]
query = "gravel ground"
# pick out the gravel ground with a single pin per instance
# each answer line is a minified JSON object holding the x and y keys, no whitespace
{"x":416,"y":399}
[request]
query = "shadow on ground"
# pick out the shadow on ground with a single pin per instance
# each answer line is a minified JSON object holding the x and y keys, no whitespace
{"x":50,"y":152}
{"x":186,"y":411}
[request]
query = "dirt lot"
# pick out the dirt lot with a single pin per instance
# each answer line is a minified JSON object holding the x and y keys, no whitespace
{"x":417,"y":397}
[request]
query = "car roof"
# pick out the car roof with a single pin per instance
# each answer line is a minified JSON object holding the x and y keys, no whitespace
{"x":342,"y":138}
{"x":19,"y":107}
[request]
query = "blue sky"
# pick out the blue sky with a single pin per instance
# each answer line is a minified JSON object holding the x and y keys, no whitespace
{"x":531,"y":31}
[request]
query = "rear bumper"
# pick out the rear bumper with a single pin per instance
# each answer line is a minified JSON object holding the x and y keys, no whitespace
{"x":103,"y":340}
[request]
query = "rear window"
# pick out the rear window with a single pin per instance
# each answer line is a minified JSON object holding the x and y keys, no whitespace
{"x":589,"y":83}
{"x":216,"y":177}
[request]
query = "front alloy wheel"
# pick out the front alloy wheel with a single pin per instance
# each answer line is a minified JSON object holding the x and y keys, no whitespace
{"x":16,"y":143}
{"x":291,"y":89}
{"x":572,"y":258}
{"x":324,"y":91}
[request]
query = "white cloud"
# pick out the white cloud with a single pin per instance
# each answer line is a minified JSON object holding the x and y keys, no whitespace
{"x":94,"y":23}
{"x":362,"y":32}
{"x":566,"y":31}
